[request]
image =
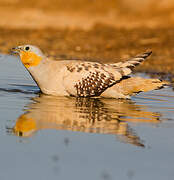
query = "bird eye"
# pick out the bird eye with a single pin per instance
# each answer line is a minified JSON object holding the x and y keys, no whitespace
{"x":27,"y":48}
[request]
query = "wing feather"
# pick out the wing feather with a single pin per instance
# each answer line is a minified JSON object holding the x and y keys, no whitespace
{"x":86,"y":79}
{"x":132,"y":62}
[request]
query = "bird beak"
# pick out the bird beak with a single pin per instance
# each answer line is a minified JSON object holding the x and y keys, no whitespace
{"x":15,"y":50}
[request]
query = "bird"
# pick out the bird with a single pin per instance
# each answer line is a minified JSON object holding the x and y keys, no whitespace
{"x":80,"y":78}
{"x":87,"y":115}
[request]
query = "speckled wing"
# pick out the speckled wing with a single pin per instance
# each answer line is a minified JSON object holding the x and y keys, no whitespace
{"x":86,"y":79}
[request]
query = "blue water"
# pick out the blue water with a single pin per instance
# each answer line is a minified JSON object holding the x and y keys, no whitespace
{"x":44,"y":137}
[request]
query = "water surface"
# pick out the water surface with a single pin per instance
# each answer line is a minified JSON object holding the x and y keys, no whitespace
{"x":44,"y":137}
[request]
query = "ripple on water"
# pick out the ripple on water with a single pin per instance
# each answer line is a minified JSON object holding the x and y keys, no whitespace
{"x":106,"y":116}
{"x":74,"y":130}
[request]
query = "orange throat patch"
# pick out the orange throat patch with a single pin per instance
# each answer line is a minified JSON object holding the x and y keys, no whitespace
{"x":30,"y":59}
{"x":24,"y":126}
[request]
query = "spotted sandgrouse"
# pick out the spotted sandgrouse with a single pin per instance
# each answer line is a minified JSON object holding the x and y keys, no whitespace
{"x":84,"y":78}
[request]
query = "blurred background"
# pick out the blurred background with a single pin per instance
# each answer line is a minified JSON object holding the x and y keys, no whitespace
{"x":85,"y":13}
{"x":106,"y":30}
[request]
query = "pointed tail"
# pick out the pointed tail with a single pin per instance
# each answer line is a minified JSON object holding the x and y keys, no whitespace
{"x":132,"y":62}
{"x":126,"y":67}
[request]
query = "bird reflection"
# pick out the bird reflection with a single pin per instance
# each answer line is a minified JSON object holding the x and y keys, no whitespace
{"x":106,"y":116}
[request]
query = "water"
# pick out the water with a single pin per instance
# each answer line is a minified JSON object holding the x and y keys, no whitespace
{"x":44,"y":137}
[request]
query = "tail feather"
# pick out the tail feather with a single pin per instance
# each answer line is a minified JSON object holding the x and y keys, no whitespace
{"x":132,"y":62}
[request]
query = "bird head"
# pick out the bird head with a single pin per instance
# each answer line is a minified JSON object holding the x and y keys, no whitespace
{"x":29,"y":55}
